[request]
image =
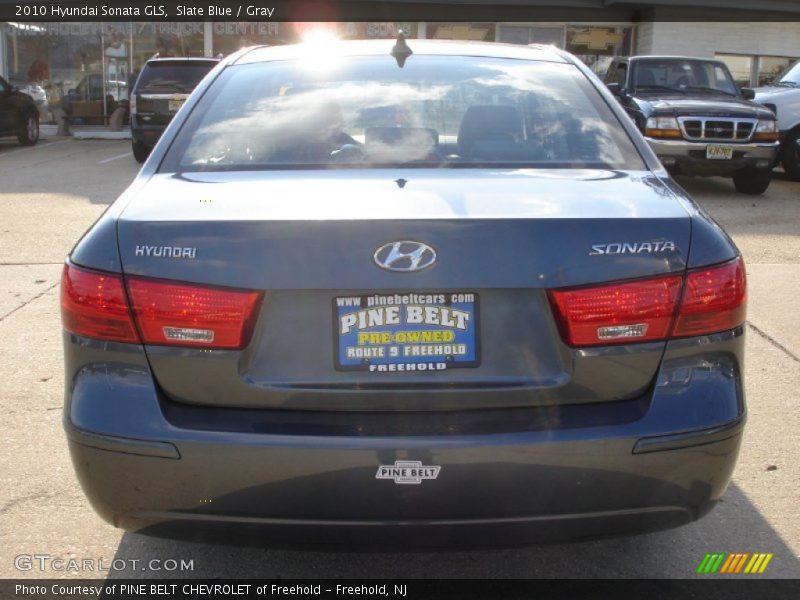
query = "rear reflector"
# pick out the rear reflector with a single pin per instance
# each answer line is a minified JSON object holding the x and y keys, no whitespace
{"x":713,"y":300}
{"x":636,"y":311}
{"x":93,"y":305}
{"x":179,"y":314}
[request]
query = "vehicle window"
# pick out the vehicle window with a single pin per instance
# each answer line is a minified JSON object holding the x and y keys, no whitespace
{"x":791,"y":75}
{"x":169,"y":77}
{"x":620,"y":74}
{"x":368,"y":112}
{"x":684,"y":76}
{"x":720,"y":78}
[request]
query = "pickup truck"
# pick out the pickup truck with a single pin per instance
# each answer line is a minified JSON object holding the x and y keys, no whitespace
{"x":696,"y":119}
{"x":782,"y":96}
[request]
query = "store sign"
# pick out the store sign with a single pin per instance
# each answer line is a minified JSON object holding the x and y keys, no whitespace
{"x":596,"y":38}
{"x":246,"y":29}
{"x":373,"y":31}
{"x":95,"y":29}
{"x":460,"y":31}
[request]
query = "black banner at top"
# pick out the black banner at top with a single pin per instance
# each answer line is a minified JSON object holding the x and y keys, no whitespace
{"x":399,"y":10}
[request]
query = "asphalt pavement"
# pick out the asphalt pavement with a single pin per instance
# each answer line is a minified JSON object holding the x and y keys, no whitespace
{"x":51,"y":193}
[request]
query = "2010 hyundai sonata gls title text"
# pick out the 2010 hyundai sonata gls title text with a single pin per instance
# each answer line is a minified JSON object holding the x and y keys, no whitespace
{"x":442,"y":294}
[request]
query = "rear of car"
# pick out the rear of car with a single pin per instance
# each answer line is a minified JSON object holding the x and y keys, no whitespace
{"x":451,"y":300}
{"x":160,"y":89}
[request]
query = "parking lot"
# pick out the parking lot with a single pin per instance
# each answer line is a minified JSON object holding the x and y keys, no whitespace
{"x":51,"y":193}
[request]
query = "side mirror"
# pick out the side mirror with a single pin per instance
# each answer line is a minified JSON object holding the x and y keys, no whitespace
{"x":616,"y":90}
{"x":748,"y":93}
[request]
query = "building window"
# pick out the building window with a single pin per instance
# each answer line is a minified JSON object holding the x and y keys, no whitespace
{"x":740,"y":66}
{"x":86,"y":70}
{"x":521,"y":34}
{"x":769,"y":67}
{"x":597,"y":45}
{"x":754,"y":71}
{"x":477,"y":32}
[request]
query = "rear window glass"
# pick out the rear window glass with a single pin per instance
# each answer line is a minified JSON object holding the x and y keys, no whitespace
{"x":366,"y":112}
{"x":172,"y":77}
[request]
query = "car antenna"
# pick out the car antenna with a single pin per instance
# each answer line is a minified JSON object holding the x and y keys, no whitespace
{"x":401,"y":51}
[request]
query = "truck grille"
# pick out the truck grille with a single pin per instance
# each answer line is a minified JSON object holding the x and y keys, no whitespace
{"x":717,"y":129}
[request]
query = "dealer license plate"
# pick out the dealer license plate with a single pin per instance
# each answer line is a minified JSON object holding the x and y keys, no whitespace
{"x":406,"y":331}
{"x":719,"y":152}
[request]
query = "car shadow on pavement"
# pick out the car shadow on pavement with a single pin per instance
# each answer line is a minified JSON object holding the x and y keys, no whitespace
{"x":721,"y":188}
{"x":96,"y":171}
{"x":735,"y":525}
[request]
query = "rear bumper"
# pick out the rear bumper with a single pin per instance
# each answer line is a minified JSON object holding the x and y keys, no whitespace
{"x":145,"y":134}
{"x":689,"y":157}
{"x":528,"y":492}
{"x":666,"y":467}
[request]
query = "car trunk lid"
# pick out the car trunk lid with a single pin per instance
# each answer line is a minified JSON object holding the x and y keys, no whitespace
{"x":308,"y":240}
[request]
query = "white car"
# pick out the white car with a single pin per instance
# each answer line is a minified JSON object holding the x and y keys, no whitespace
{"x":783,"y":97}
{"x":35,"y":91}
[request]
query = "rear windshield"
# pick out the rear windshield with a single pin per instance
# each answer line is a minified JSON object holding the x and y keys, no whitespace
{"x":168,"y":77}
{"x":367,"y":112}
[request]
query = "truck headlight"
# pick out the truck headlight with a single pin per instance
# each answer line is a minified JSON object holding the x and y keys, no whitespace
{"x":662,"y":127}
{"x":766,"y":131}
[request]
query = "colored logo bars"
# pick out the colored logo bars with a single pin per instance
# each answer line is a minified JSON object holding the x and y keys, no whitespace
{"x":743,"y":562}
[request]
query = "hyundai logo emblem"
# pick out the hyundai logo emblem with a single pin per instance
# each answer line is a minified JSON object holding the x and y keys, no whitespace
{"x":405,"y":256}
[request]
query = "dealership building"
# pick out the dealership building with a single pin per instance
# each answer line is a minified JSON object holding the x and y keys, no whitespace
{"x":101,"y":59}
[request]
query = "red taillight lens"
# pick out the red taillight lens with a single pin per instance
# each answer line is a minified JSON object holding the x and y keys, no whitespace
{"x":636,"y":311}
{"x":93,"y":304}
{"x":714,"y":299}
{"x":178,"y":314}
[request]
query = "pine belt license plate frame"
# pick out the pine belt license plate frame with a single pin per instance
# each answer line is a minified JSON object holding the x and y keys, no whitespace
{"x":469,"y":336}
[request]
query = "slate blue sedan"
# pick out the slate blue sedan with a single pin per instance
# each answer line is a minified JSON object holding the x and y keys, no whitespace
{"x":403,"y":293}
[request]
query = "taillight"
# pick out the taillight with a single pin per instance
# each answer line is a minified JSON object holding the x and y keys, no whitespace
{"x":635,"y":311}
{"x":178,"y":314}
{"x":713,"y":300}
{"x":93,"y":304}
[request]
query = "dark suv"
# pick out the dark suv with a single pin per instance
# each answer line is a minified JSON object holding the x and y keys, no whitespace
{"x":18,"y":114}
{"x":160,"y":90}
{"x":696,"y":119}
